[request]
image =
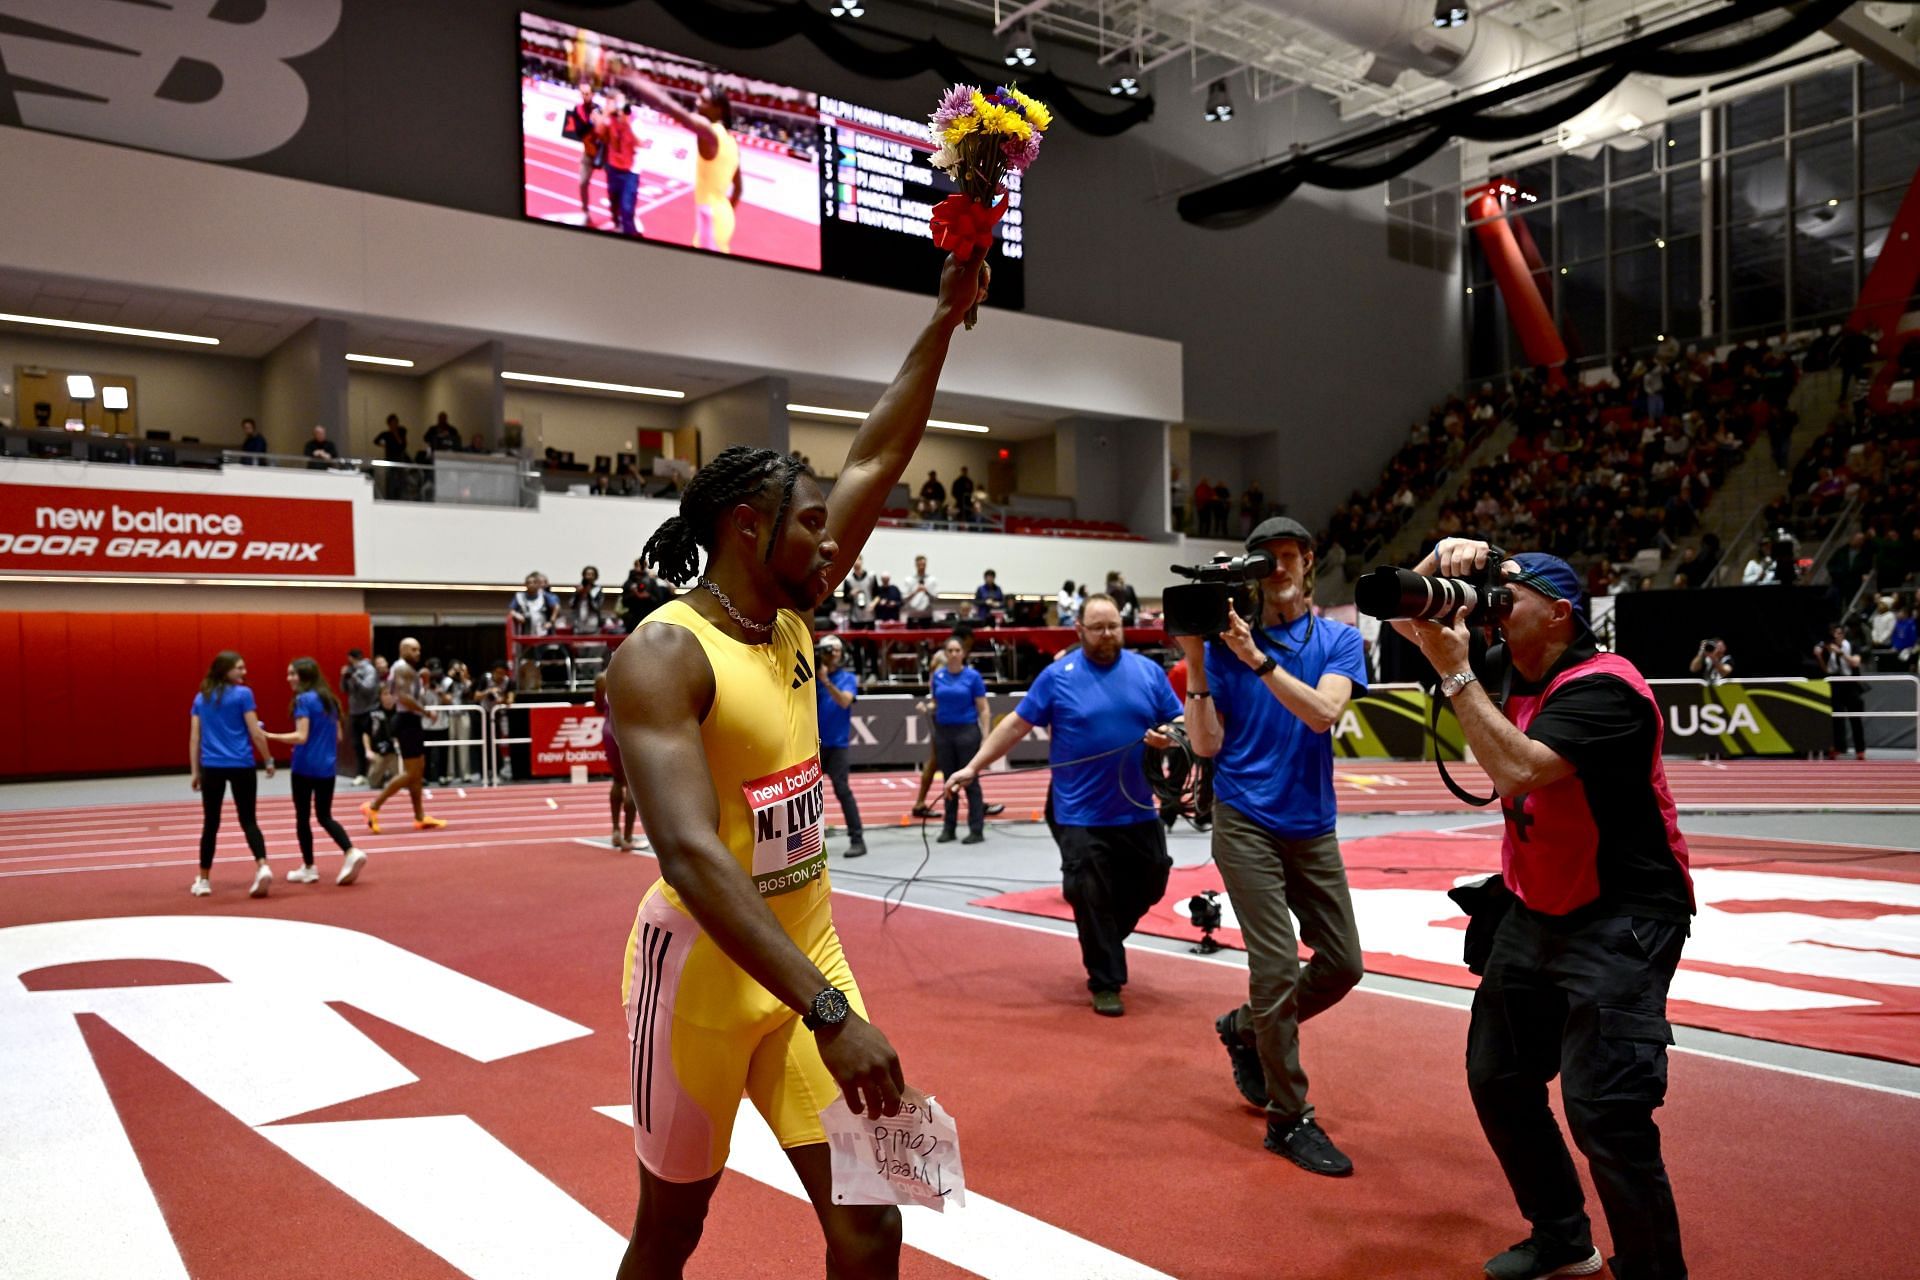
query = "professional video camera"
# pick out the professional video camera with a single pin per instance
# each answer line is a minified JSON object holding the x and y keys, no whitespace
{"x":1199,"y":608}
{"x":1388,"y":593}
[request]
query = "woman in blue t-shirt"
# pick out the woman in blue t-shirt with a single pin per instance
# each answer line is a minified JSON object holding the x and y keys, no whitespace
{"x":316,"y":739}
{"x":959,"y":698}
{"x":226,"y":732}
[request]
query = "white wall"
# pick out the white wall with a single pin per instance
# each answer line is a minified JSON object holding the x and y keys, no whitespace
{"x":371,"y":397}
{"x":404,"y":542}
{"x":826,"y":445}
{"x":586,"y":424}
{"x":187,"y":394}
{"x":1218,"y":458}
{"x":230,"y":233}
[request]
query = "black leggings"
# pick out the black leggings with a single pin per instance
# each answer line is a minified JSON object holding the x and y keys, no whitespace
{"x":317,"y":794}
{"x":213,"y":789}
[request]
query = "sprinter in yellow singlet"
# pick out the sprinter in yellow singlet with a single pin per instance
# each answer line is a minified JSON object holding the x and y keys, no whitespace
{"x":716,"y":167}
{"x":735,"y":981}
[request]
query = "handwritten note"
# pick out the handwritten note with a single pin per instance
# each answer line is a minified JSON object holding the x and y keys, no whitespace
{"x":911,"y":1158}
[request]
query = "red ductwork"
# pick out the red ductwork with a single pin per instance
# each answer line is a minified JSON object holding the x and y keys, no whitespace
{"x":1516,"y":276}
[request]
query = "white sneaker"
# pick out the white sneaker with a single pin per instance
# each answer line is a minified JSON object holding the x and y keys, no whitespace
{"x":359,"y":779}
{"x":616,"y":841}
{"x":201,"y":889}
{"x":303,"y":874}
{"x":262,"y":881}
{"x":350,"y":869}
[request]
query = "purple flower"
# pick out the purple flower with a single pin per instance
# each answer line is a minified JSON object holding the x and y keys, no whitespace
{"x":957,"y":102}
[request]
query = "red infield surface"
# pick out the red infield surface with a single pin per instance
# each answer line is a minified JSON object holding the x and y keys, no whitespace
{"x":664,"y":208}
{"x":277,"y":1100}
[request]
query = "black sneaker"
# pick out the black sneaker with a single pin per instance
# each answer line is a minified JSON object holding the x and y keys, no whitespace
{"x":945,"y":837}
{"x":1307,"y":1145}
{"x":973,"y":837}
{"x":1534,"y":1259}
{"x":1108,"y":1004}
{"x":1249,"y":1077}
{"x":856,"y":848}
{"x":994,"y":810}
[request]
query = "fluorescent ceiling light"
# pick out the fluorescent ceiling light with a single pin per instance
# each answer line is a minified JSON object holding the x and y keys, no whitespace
{"x":585,"y":384}
{"x":1569,"y":141}
{"x":392,"y":360}
{"x":113,"y":399}
{"x":821,"y":411}
{"x":120,"y":329}
{"x":79,"y":386}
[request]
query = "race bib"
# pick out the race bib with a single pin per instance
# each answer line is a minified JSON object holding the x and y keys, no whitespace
{"x":789,"y":847}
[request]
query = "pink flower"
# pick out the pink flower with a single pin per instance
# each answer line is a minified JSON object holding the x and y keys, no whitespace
{"x":1021,"y":153}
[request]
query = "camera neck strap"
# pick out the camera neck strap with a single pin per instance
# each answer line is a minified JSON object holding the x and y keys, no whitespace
{"x":1433,"y":730}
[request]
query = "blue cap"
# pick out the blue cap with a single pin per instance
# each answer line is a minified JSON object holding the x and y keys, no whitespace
{"x":1553,"y":578}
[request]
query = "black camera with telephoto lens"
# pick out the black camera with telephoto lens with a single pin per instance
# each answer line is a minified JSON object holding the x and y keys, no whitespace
{"x":1199,"y":607}
{"x":1389,"y":594}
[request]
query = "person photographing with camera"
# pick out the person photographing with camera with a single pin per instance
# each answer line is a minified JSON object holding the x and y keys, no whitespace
{"x":1577,"y":970}
{"x":1262,"y":700}
{"x":1711,"y":662}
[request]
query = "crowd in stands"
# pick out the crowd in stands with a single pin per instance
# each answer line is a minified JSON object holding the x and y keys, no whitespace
{"x":1597,"y":471}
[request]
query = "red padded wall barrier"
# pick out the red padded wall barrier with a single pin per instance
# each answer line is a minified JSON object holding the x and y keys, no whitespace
{"x":91,"y":693}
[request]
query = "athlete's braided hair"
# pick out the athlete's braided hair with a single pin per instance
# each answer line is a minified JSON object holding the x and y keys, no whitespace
{"x":738,"y":474}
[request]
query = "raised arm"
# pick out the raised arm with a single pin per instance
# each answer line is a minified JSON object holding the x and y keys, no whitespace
{"x":662,"y":101}
{"x":660,"y":686}
{"x":886,"y":441}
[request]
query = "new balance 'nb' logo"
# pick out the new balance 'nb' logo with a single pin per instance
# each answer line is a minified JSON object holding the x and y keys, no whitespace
{"x":579,"y":733}
{"x":801,"y":671}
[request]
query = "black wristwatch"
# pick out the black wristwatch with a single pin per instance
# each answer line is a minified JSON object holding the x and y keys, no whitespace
{"x":828,"y":1009}
{"x":1260,"y":672}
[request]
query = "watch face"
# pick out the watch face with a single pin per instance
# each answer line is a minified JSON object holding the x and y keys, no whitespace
{"x":831,"y":1006}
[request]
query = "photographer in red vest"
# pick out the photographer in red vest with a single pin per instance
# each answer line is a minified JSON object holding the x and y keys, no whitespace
{"x":1575,"y":979}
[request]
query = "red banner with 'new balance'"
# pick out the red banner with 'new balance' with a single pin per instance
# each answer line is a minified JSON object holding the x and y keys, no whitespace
{"x":566,"y":736}
{"x":54,"y":529}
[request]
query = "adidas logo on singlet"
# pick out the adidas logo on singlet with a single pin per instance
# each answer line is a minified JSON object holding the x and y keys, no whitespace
{"x":801,"y":671}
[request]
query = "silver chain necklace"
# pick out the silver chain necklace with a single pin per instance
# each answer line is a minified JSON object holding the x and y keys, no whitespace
{"x":760,"y":628}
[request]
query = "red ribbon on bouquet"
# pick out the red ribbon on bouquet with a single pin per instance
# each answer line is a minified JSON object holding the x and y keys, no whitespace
{"x":964,"y":226}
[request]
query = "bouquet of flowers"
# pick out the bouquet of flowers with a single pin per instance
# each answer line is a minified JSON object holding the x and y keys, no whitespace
{"x":981,"y":136}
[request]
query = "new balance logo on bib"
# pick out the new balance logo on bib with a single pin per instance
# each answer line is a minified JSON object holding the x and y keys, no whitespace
{"x":788,"y":808}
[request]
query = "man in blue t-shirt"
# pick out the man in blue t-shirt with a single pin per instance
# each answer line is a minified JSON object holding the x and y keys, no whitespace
{"x":1263,"y":702}
{"x":836,"y":688}
{"x":1100,"y":703}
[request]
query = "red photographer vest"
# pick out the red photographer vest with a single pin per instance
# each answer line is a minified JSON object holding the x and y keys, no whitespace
{"x":1549,"y":852}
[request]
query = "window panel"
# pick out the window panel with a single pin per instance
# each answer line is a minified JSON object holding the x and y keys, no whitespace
{"x":1636,"y":214}
{"x":1682,"y":145}
{"x":1539,"y":225}
{"x":1756,"y":275}
{"x":1756,"y":118}
{"x":1824,"y":98}
{"x":1583,"y":308}
{"x":1536,"y":178}
{"x":1683,"y":287}
{"x":1583,"y":228}
{"x":1631,"y":162}
{"x":1823,"y":166}
{"x":1636,"y":298}
{"x":1683,"y":201}
{"x":1756,"y":183}
{"x":1878,"y":88}
{"x":1890,"y":147}
{"x":1577,"y":174}
{"x":1486,"y":333}
{"x":1823,"y":261}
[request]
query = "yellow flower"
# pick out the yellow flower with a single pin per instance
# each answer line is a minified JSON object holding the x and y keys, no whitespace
{"x":961,"y":128}
{"x":1000,"y":120}
{"x":1037,"y":114}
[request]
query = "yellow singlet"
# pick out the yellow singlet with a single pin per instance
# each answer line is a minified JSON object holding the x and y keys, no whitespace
{"x":702,"y":1030}
{"x":713,"y":193}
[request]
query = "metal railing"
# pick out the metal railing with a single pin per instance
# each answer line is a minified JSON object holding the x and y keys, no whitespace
{"x":472,"y":479}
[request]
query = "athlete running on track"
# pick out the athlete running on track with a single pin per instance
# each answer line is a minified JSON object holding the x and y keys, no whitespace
{"x":410,"y":735}
{"x":735,"y":979}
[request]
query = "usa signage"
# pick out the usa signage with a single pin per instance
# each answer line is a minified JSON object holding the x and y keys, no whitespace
{"x":565,"y":736}
{"x":50,"y":529}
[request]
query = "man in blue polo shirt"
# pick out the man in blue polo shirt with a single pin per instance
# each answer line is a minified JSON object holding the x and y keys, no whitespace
{"x":836,"y":687}
{"x":1100,"y":701}
{"x":1263,"y":702}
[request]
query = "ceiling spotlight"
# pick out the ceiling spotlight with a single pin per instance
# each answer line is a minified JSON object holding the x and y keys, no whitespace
{"x":1125,"y":87}
{"x":1020,"y":50}
{"x":848,"y":9}
{"x":1448,"y":14}
{"x":1219,"y":105}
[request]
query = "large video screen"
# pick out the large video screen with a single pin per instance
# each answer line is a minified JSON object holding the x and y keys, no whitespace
{"x":627,"y":140}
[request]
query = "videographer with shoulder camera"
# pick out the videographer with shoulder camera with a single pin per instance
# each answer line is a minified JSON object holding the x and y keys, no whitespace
{"x":1576,"y":974}
{"x":1263,"y":704}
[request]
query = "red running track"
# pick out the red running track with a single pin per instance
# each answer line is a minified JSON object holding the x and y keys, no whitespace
{"x":1126,"y":1132}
